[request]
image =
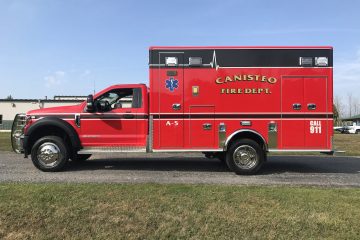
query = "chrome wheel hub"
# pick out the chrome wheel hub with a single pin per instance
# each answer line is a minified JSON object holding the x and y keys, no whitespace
{"x":245,"y":157}
{"x":48,"y":154}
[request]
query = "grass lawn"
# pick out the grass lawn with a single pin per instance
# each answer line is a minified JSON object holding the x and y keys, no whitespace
{"x":5,"y":142}
{"x":348,"y":142}
{"x":151,"y":211}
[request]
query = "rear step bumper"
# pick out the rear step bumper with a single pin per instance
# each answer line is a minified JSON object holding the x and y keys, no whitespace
{"x":335,"y":153}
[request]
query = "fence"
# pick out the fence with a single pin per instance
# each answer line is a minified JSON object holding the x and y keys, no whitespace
{"x":6,"y":125}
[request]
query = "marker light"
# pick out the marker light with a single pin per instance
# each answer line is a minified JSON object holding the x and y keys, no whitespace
{"x":321,"y":61}
{"x":171,"y":61}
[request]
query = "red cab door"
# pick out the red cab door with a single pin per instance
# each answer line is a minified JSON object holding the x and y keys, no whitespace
{"x":118,"y":125}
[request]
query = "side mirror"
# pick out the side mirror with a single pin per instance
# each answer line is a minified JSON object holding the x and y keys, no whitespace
{"x":90,"y":106}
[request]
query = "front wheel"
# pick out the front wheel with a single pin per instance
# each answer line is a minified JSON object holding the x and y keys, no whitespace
{"x":245,"y":156}
{"x":49,"y":154}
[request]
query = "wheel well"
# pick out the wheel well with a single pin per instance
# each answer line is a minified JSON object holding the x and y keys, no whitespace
{"x":249,"y":135}
{"x":46,"y":130}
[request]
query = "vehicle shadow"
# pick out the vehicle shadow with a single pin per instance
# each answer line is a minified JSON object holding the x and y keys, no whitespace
{"x":311,"y":164}
{"x":274,"y":165}
{"x":151,"y":164}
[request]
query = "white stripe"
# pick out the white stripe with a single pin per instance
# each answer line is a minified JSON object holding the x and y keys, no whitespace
{"x":189,"y":150}
{"x":237,"y":119}
{"x":95,"y":114}
{"x":244,"y":113}
{"x":299,"y":150}
{"x":278,"y":67}
{"x":39,"y":114}
{"x":100,"y":114}
{"x":108,"y":119}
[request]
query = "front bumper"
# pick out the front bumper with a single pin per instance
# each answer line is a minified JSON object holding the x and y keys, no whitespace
{"x":17,"y":133}
{"x":19,"y":141}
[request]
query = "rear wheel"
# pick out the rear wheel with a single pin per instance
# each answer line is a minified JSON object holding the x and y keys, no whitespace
{"x":357,"y":131}
{"x":245,"y":156}
{"x":49,"y":154}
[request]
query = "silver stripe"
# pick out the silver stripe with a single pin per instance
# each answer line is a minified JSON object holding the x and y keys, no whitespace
{"x":300,"y":150}
{"x":188,"y":150}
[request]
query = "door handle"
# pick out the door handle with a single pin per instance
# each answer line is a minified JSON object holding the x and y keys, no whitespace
{"x":77,"y":120}
{"x":296,"y":106}
{"x":311,"y":106}
{"x":129,"y":116}
{"x":207,"y":126}
{"x":176,"y":106}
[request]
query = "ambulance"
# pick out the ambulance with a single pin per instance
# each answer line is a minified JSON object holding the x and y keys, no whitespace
{"x":236,"y":104}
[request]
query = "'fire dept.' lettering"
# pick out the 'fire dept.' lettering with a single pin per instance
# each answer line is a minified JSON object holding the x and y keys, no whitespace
{"x":245,"y":77}
{"x":245,"y":91}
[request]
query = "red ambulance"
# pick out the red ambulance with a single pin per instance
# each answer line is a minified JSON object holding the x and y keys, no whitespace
{"x":233,"y":103}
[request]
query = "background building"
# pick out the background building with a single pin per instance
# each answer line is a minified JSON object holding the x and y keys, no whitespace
{"x":10,"y":107}
{"x":354,"y":119}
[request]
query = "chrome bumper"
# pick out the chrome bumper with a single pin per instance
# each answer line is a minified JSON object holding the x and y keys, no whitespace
{"x":17,"y":133}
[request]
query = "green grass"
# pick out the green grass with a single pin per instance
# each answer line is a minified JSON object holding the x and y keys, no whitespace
{"x":5,"y":142}
{"x":150,"y":211}
{"x":349,"y":143}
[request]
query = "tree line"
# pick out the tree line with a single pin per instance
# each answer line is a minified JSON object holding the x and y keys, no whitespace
{"x":346,"y":106}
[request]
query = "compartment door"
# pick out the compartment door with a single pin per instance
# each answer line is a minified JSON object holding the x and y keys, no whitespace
{"x":202,"y":126}
{"x":292,"y":127}
{"x":171,"y":103}
{"x":315,"y":106}
{"x":304,"y":122}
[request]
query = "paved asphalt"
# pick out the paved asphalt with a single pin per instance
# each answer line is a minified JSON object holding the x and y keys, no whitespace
{"x":194,"y":168}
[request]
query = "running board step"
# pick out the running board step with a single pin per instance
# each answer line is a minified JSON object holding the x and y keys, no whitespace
{"x":128,"y":149}
{"x":339,"y":153}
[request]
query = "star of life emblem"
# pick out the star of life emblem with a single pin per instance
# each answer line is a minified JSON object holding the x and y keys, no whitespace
{"x":171,"y":84}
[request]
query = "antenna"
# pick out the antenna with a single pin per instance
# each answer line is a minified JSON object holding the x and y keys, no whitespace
{"x":94,"y":86}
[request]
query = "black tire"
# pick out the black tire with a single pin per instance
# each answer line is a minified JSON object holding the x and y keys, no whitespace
{"x":80,"y":157}
{"x":253,"y":157}
{"x":50,"y":145}
{"x":357,"y":132}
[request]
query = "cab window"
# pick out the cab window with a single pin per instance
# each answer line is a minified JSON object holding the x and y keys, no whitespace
{"x":120,"y":98}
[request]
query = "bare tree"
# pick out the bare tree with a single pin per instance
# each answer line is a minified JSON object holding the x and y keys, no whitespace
{"x":350,"y":102}
{"x":339,"y":106}
{"x":336,"y":115}
{"x":356,"y":106}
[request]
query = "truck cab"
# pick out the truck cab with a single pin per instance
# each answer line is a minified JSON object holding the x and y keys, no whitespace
{"x":115,"y":119}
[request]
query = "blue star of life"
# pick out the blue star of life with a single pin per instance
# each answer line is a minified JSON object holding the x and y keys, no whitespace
{"x":172,"y":84}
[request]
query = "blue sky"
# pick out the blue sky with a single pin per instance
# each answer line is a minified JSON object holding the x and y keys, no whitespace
{"x":52,"y":47}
